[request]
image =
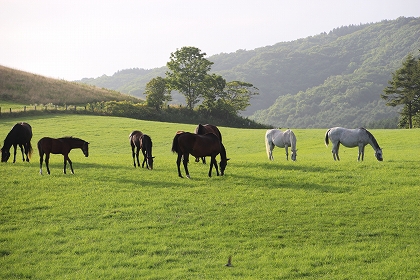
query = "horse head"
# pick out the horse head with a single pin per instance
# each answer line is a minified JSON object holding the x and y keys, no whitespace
{"x":5,"y":154}
{"x":378,"y":154}
{"x":294,"y":155}
{"x":85,"y":149}
{"x":150,"y":162}
{"x":223,"y":164}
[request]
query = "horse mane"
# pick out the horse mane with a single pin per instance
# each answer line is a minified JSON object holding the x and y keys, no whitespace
{"x":371,"y":137}
{"x":71,"y":138}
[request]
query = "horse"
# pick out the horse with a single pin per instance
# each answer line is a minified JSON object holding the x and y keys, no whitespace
{"x":62,"y":146}
{"x":186,"y":143}
{"x":351,"y":138}
{"x":286,"y":139}
{"x":20,"y":134}
{"x":138,"y":141}
{"x":207,"y":128}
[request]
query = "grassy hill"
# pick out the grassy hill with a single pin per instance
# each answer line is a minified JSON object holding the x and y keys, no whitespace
{"x":26,"y":88}
{"x":310,"y":219}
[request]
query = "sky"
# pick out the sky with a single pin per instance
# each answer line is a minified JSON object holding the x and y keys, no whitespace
{"x":78,"y":39}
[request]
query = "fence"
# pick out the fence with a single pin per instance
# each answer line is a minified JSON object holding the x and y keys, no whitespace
{"x":25,"y":109}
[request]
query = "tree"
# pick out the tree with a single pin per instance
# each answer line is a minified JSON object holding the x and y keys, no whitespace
{"x":237,"y":95}
{"x":404,"y":89}
{"x":157,"y":93}
{"x":214,"y":90}
{"x":187,"y":73}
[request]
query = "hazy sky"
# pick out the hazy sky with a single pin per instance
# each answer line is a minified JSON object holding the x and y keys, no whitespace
{"x":79,"y":39}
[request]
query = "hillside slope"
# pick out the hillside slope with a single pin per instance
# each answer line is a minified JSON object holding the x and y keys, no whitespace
{"x":307,"y":82}
{"x":26,"y":88}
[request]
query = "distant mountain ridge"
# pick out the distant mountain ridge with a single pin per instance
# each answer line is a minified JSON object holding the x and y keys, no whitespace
{"x":329,"y":79}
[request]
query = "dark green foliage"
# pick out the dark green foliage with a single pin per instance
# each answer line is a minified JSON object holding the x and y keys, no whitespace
{"x":404,"y":89}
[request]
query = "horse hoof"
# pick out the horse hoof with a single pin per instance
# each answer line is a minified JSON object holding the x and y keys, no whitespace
{"x":188,"y":176}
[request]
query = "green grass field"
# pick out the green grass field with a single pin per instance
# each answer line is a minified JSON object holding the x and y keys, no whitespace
{"x":310,"y":219}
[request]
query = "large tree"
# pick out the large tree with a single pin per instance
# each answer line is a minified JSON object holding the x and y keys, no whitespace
{"x":237,"y":96}
{"x":157,"y":93}
{"x":187,"y":73}
{"x":404,"y":89}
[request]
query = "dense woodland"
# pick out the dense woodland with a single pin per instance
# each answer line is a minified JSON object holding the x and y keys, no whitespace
{"x":329,"y":79}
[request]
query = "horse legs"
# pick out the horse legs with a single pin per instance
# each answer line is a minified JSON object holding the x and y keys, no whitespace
{"x":137,"y":156}
{"x":185,"y":162}
{"x":66,"y":158}
{"x":14,"y":155}
{"x":133,"y":155}
{"x":213,"y":162}
{"x":47,"y":162}
{"x":144,"y":160}
{"x":287,"y":151}
{"x":361,"y":152}
{"x":71,"y":166}
{"x":335,"y":151}
{"x":23,"y":152}
{"x":41,"y":158}
{"x":178,"y":163}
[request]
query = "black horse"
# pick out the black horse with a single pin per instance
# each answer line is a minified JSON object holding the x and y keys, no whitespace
{"x":185,"y":143}
{"x":20,"y":134}
{"x":143,"y":142}
{"x":62,"y":146}
{"x":207,"y":128}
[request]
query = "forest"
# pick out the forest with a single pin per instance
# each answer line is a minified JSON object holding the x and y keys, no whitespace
{"x":329,"y":79}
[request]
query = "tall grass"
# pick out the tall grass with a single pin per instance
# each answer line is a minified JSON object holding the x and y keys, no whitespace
{"x":314,"y":218}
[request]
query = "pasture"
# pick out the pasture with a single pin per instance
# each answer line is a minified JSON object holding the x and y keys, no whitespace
{"x":313,"y":218}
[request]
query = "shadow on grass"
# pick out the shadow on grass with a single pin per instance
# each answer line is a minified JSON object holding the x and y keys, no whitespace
{"x":284,"y":176}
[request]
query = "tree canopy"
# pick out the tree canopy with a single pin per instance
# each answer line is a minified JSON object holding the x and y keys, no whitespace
{"x":404,"y":89}
{"x":187,"y":73}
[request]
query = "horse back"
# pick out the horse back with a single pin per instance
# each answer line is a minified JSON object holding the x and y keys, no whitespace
{"x":208,"y":128}
{"x":135,"y":138}
{"x":51,"y":145}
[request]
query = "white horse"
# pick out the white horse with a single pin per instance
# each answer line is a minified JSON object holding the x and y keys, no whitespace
{"x":351,"y":138}
{"x":286,"y":139}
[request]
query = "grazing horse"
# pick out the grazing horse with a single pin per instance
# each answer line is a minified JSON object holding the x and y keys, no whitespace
{"x":20,"y":134}
{"x":62,"y":146}
{"x":351,"y":138}
{"x":286,"y":139}
{"x":186,"y":143}
{"x":138,"y":141}
{"x":207,"y":128}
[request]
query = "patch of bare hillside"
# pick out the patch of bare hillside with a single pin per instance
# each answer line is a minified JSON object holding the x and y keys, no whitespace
{"x":27,"y":88}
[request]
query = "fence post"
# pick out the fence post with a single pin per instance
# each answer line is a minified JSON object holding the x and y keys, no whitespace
{"x":35,"y":107}
{"x":24,"y":109}
{"x":10,"y":110}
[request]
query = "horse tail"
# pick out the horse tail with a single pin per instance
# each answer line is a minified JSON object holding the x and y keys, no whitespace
{"x":327,"y":141}
{"x":267,"y":144}
{"x":41,"y":152}
{"x":30,"y":150}
{"x":175,"y":146}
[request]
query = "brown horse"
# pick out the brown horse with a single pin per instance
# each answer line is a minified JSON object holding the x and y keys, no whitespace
{"x":62,"y":146}
{"x":20,"y":134}
{"x":186,"y":143}
{"x":207,"y":128}
{"x":138,"y":141}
